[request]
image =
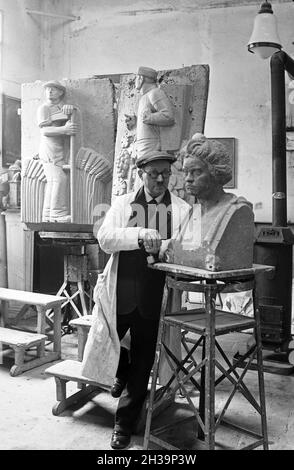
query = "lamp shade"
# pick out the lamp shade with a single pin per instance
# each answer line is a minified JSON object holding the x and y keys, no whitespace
{"x":265,"y":39}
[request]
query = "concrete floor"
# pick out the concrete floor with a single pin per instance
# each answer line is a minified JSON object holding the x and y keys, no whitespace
{"x":27,"y":421}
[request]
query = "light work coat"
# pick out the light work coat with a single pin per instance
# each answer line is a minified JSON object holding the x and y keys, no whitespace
{"x":102,"y":349}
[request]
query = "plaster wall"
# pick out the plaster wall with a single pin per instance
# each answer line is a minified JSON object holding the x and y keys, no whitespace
{"x":117,"y":36}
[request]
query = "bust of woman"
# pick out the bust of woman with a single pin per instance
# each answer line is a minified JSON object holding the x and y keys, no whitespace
{"x":225,"y":229}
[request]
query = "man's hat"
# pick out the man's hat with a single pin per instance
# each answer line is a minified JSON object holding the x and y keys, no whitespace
{"x":56,"y":84}
{"x":147,"y":72}
{"x":154,"y":156}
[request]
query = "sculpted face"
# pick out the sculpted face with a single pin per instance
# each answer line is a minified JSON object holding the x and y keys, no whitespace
{"x":155,"y":176}
{"x":53,"y":94}
{"x":198,"y":180}
{"x":138,"y":82}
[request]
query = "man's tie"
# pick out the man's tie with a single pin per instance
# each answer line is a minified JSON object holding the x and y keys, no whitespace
{"x":152,"y":215}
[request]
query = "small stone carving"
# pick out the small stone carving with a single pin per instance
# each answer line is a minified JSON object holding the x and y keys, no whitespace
{"x":223,"y":237}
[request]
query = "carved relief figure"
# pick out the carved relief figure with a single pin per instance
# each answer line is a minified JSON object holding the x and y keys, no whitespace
{"x":227,"y":221}
{"x":154,"y":110}
{"x":56,"y":127}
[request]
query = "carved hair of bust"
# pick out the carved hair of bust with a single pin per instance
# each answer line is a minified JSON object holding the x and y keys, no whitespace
{"x":213,"y":154}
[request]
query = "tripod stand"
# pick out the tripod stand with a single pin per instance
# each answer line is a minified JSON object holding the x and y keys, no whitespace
{"x":75,"y":287}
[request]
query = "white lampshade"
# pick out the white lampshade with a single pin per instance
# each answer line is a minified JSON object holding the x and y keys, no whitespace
{"x":265,"y":39}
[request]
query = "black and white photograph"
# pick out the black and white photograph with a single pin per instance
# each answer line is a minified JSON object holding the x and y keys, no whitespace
{"x":146,"y":229}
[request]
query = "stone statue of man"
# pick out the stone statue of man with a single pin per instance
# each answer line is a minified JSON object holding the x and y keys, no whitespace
{"x":56,"y":127}
{"x":154,"y":110}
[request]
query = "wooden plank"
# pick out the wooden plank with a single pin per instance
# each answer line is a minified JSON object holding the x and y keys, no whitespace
{"x":194,"y":6}
{"x":56,"y":329}
{"x":84,"y":321}
{"x":19,"y":338}
{"x":31,"y":364}
{"x":75,"y":236}
{"x":30,"y":298}
{"x":224,"y":321}
{"x":202,"y":273}
{"x":4,"y":313}
{"x":52,"y":227}
{"x":161,"y":443}
{"x":62,"y":405}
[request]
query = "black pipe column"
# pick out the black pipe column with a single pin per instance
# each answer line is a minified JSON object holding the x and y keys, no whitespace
{"x":274,"y":245}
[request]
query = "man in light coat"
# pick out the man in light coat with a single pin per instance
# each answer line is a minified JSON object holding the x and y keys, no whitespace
{"x":128,"y":294}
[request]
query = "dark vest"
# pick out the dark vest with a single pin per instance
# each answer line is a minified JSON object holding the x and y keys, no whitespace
{"x":137,"y":285}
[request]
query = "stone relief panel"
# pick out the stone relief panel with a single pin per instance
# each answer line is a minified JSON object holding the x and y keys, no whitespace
{"x":86,"y":158}
{"x":187,"y":89}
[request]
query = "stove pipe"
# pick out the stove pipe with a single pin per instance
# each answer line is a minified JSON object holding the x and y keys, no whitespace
{"x":280,"y":62}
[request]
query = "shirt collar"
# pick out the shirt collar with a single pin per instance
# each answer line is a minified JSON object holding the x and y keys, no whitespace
{"x":149,"y":197}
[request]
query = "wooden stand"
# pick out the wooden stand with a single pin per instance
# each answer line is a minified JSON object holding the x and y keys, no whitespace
{"x":207,"y":323}
{"x":76,"y":280}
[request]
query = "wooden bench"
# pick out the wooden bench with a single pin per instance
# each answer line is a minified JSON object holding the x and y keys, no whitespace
{"x":67,"y":371}
{"x":70,"y":371}
{"x":20,"y":342}
{"x":42,"y":302}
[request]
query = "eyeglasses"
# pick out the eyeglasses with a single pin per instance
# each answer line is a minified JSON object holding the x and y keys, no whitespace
{"x":154,"y":174}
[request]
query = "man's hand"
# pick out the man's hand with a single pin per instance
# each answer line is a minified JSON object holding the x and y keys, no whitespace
{"x":146,"y":118}
{"x":67,"y":109}
{"x":130,"y":121}
{"x":166,"y":253}
{"x":151,"y":240}
{"x":70,"y":128}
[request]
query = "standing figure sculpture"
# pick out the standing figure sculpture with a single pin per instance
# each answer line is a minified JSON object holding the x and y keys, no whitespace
{"x":154,"y":111}
{"x":56,"y":128}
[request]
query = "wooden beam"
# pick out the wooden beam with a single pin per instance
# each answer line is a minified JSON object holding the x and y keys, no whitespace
{"x":196,"y":5}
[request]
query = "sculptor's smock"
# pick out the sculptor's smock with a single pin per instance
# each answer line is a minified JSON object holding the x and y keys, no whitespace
{"x":102,"y":349}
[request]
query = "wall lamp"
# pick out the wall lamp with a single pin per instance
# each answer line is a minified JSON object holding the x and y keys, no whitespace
{"x":264,"y":39}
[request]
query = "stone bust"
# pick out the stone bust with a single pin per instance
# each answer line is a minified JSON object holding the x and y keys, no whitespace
{"x":225,"y":227}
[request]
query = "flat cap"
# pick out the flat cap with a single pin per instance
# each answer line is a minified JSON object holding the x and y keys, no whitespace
{"x":147,"y":72}
{"x":154,"y":156}
{"x":56,"y":84}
